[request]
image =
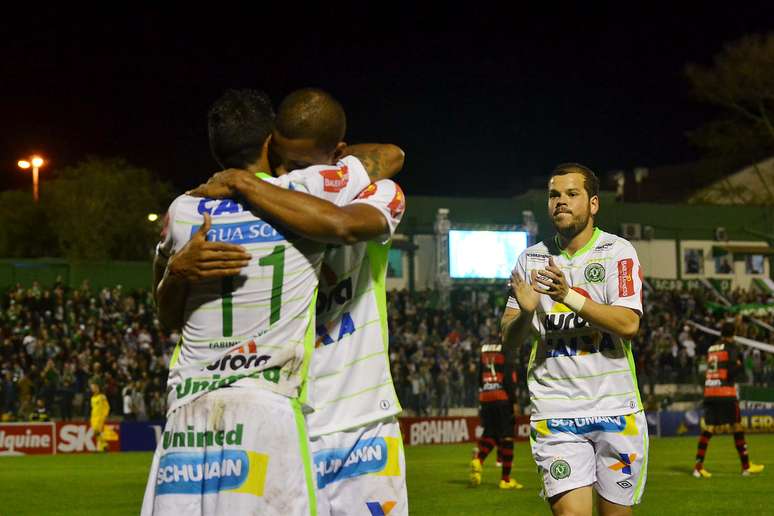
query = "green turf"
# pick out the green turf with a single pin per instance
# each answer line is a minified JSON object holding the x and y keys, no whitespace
{"x":437,"y":478}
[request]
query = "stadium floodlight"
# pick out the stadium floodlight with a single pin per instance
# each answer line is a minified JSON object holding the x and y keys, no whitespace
{"x":153,"y":217}
{"x":35,"y":162}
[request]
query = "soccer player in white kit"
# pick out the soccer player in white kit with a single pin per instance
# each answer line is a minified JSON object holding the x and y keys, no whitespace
{"x":579,"y":296}
{"x":355,"y":437}
{"x":235,"y":439}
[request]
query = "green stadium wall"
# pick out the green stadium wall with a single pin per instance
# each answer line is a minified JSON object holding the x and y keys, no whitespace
{"x":670,"y":221}
{"x":130,"y":275}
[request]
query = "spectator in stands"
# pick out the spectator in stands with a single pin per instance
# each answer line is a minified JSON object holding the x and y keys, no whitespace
{"x":10,"y":394}
{"x":138,"y":401}
{"x":40,"y":414}
{"x":126,"y":395}
{"x":66,"y":394}
{"x":50,"y":383}
{"x":54,"y":340}
{"x":26,"y":390}
{"x":158,"y":406}
{"x":443,"y":386}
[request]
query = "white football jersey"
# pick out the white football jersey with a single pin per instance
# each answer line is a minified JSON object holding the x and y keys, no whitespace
{"x":577,"y":369}
{"x":257,"y":328}
{"x":350,"y":380}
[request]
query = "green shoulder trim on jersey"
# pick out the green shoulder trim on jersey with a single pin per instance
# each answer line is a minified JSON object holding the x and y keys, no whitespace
{"x":176,"y":353}
{"x":303,"y":444}
{"x":378,"y":257}
{"x":583,"y":250}
{"x":262,"y":175}
{"x":308,"y":349}
{"x":627,"y":345}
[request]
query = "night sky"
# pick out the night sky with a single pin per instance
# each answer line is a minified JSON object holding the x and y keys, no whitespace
{"x":483,"y":100}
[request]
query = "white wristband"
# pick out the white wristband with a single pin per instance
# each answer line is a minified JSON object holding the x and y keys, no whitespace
{"x":574,"y":301}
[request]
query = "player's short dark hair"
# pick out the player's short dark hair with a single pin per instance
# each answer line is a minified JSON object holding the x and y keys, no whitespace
{"x":590,"y":179}
{"x":312,"y":113}
{"x":728,"y":329}
{"x":238,"y":124}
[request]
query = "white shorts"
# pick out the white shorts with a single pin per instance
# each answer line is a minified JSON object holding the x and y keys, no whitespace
{"x":610,"y":453}
{"x":361,"y":471}
{"x":232,"y":451}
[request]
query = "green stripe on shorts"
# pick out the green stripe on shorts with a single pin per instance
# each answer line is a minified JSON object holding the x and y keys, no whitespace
{"x":303,"y":444}
{"x":644,"y":468}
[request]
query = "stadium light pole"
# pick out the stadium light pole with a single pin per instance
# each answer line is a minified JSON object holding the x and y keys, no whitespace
{"x":35,"y":163}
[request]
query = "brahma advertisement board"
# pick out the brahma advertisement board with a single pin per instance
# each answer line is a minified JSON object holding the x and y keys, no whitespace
{"x":450,"y":430}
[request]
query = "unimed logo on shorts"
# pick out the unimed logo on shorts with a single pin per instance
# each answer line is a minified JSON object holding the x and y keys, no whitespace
{"x":374,"y":455}
{"x":211,"y":472}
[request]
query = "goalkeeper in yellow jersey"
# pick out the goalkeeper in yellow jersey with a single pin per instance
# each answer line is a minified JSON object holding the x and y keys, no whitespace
{"x":100,"y":408}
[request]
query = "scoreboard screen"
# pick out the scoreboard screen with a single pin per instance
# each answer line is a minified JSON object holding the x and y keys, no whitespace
{"x":484,"y":254}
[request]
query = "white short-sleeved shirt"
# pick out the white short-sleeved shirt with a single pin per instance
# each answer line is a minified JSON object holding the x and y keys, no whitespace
{"x":256,"y":328}
{"x":577,"y":369}
{"x":350,"y":380}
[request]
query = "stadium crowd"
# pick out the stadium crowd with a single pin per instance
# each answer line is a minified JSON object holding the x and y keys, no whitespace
{"x":55,"y":341}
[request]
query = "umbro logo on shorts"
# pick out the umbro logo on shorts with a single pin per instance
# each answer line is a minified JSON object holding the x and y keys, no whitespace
{"x":624,"y":484}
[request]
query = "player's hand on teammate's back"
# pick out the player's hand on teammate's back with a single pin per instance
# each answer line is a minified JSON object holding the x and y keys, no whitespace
{"x":553,"y":282}
{"x":222,"y":185}
{"x":527,"y":298}
{"x":200,"y":259}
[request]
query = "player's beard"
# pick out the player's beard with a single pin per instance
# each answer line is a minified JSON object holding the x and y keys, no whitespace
{"x":576,"y":226}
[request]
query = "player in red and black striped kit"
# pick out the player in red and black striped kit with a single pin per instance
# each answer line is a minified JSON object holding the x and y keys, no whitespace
{"x":721,"y":406}
{"x":497,"y":381}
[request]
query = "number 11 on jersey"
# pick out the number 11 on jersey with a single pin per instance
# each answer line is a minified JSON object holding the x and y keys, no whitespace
{"x":276,"y":260}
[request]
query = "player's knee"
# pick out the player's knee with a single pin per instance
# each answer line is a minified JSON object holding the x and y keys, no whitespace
{"x":607,"y":508}
{"x":571,"y":511}
{"x":576,"y":502}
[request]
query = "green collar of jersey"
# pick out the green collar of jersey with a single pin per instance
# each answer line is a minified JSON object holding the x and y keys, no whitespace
{"x":262,"y":175}
{"x":582,"y":250}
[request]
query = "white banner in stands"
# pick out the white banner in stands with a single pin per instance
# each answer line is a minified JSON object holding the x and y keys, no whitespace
{"x":741,"y":340}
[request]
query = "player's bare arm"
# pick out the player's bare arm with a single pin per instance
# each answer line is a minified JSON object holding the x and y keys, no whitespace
{"x":171,"y":294}
{"x":305,"y":215}
{"x":619,"y":320}
{"x":197,"y":260}
{"x":516,"y":324}
{"x":381,"y":160}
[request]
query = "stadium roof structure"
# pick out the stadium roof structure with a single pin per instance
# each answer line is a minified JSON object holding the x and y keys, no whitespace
{"x":753,"y":184}
{"x":682,"y":182}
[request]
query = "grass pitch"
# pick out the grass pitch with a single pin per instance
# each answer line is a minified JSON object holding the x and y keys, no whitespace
{"x":113,"y":484}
